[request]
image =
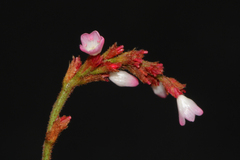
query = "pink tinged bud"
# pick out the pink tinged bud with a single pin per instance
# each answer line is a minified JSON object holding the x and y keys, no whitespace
{"x":145,"y":52}
{"x":92,"y":43}
{"x":123,"y":79}
{"x":187,"y":109}
{"x":64,"y":120}
{"x":160,"y":90}
{"x":120,"y":49}
{"x":115,"y":65}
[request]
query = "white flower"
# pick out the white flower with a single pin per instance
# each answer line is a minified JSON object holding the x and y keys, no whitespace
{"x":160,"y":90}
{"x":123,"y":79}
{"x":187,"y":109}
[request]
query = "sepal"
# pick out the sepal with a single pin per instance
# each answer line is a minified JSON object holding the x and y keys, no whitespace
{"x":58,"y":126}
{"x":172,"y":86}
{"x":72,"y":69}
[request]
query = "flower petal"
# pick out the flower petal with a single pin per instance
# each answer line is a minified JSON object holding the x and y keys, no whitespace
{"x":95,"y":35}
{"x":84,"y":39}
{"x":181,"y":120}
{"x":189,"y":115}
{"x":194,"y":108}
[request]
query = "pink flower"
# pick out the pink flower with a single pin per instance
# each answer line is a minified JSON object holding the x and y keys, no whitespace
{"x":160,"y":90}
{"x":123,"y":79}
{"x":187,"y":109}
{"x":91,"y":43}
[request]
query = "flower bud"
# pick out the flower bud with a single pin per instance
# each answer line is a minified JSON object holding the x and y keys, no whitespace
{"x":159,"y":90}
{"x":123,"y":79}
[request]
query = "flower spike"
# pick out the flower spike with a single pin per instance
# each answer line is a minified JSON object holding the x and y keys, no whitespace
{"x":92,"y":43}
{"x":111,"y":66}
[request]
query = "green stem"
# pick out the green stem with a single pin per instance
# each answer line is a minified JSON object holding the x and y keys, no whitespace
{"x":47,"y":150}
{"x":57,"y":107}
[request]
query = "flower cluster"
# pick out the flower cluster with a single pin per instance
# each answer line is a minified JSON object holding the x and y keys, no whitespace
{"x":123,"y":69}
{"x":111,"y":65}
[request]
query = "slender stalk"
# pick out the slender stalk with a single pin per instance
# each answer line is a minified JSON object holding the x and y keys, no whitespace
{"x":57,"y":107}
{"x":47,"y":150}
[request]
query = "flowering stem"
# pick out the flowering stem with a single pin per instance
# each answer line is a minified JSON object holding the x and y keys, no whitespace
{"x":57,"y":107}
{"x":100,"y":68}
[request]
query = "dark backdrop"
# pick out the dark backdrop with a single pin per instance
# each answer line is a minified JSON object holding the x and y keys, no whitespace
{"x":198,"y":43}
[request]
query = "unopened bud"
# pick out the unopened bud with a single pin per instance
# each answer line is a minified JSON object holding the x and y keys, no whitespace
{"x":123,"y":79}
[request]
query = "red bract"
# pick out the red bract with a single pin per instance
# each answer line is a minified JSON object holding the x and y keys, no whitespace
{"x":64,"y":120}
{"x":72,"y":69}
{"x":95,"y":61}
{"x":137,"y":57}
{"x":91,"y":63}
{"x":133,"y":57}
{"x":153,"y":68}
{"x":58,"y":126}
{"x":113,"y":51}
{"x":94,"y":78}
{"x":112,"y":66}
{"x":152,"y":80}
{"x":120,"y":49}
{"x":172,"y":86}
{"x":138,"y":73}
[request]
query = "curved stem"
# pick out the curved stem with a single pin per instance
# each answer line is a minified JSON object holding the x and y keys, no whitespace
{"x":57,"y":107}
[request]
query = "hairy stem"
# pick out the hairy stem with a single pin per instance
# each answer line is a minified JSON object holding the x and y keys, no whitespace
{"x":47,"y":150}
{"x":57,"y":107}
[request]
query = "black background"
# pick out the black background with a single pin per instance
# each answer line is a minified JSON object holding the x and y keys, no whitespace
{"x":198,"y":43}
